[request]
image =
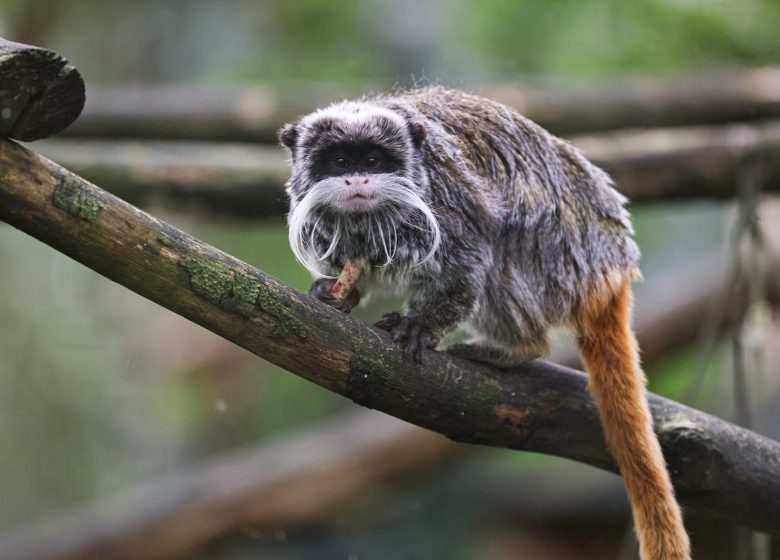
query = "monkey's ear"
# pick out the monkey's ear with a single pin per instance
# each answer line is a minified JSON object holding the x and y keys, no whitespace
{"x":418,"y":132}
{"x":288,"y":135}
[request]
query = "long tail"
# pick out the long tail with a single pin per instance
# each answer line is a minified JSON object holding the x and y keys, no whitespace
{"x":616,"y":380}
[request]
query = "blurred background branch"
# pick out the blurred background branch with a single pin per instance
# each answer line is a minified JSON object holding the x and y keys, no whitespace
{"x":254,"y":114}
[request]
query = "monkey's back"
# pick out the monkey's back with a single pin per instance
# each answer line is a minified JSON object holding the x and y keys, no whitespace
{"x":554,"y":223}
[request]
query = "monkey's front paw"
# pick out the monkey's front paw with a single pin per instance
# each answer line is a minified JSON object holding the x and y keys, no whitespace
{"x":321,"y":290}
{"x":413,"y":335}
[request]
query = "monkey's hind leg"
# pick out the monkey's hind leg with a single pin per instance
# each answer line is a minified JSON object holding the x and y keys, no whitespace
{"x":500,"y":357}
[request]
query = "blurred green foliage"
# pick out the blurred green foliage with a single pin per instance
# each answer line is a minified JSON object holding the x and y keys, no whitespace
{"x":387,"y":41}
{"x":606,"y":37}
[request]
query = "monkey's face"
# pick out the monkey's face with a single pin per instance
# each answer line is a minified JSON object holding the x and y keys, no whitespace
{"x":352,"y":183}
{"x":355,"y":176}
{"x":352,"y":156}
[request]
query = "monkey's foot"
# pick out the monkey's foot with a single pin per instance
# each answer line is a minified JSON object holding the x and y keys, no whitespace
{"x":490,"y":355}
{"x":321,"y":289}
{"x":413,"y":335}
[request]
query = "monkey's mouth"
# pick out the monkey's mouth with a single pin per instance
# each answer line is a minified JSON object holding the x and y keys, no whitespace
{"x":359,"y":201}
{"x":362,"y":198}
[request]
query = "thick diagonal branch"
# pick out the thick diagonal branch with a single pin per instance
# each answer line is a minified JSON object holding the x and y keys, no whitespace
{"x":717,"y":467}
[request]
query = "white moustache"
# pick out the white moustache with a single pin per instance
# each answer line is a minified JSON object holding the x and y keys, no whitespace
{"x":393,"y":193}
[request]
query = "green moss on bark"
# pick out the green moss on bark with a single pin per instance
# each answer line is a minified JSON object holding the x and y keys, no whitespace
{"x":239,"y":292}
{"x":288,"y":324}
{"x":210,"y":279}
{"x":165,"y":239}
{"x":77,"y":199}
{"x":246,"y":288}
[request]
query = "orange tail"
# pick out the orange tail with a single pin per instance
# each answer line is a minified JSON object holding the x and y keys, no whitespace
{"x":616,"y":380}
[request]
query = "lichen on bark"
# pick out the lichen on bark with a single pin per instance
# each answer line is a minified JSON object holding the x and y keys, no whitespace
{"x":76,"y":198}
{"x":288,"y":323}
{"x":239,"y":292}
{"x":165,"y":239}
{"x":209,"y":279}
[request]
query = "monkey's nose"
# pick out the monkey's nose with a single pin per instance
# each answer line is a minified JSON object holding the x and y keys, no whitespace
{"x":347,"y":181}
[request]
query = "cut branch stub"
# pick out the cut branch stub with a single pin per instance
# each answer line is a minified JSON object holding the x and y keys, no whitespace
{"x":40,"y":93}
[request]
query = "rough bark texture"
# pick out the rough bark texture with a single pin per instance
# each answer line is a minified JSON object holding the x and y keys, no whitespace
{"x":246,"y":180}
{"x":255,"y":113}
{"x":40,"y":93}
{"x":717,"y":467}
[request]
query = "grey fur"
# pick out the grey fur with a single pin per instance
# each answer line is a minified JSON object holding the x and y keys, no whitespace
{"x":528,"y":225}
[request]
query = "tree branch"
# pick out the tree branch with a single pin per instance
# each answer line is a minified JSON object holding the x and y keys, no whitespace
{"x":246,"y":180}
{"x":717,"y":467}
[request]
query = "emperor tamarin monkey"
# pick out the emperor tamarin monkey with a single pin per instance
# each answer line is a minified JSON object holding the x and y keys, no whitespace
{"x":488,"y":222}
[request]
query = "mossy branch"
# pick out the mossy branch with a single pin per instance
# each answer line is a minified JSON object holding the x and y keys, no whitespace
{"x":717,"y":467}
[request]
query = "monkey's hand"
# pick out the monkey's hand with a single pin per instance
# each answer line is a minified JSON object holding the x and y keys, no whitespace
{"x":321,"y":290}
{"x":413,"y":335}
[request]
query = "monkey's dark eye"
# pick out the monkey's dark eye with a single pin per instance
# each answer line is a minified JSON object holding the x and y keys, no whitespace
{"x":340,"y":162}
{"x":371,"y":162}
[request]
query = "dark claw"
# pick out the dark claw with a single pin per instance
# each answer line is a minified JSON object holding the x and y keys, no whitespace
{"x":413,"y":346}
{"x":401,"y":330}
{"x":428,"y":340}
{"x":414,"y":336}
{"x":321,"y":290}
{"x":388,"y":321}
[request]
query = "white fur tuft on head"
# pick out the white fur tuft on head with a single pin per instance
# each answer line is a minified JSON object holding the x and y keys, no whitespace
{"x":352,"y":112}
